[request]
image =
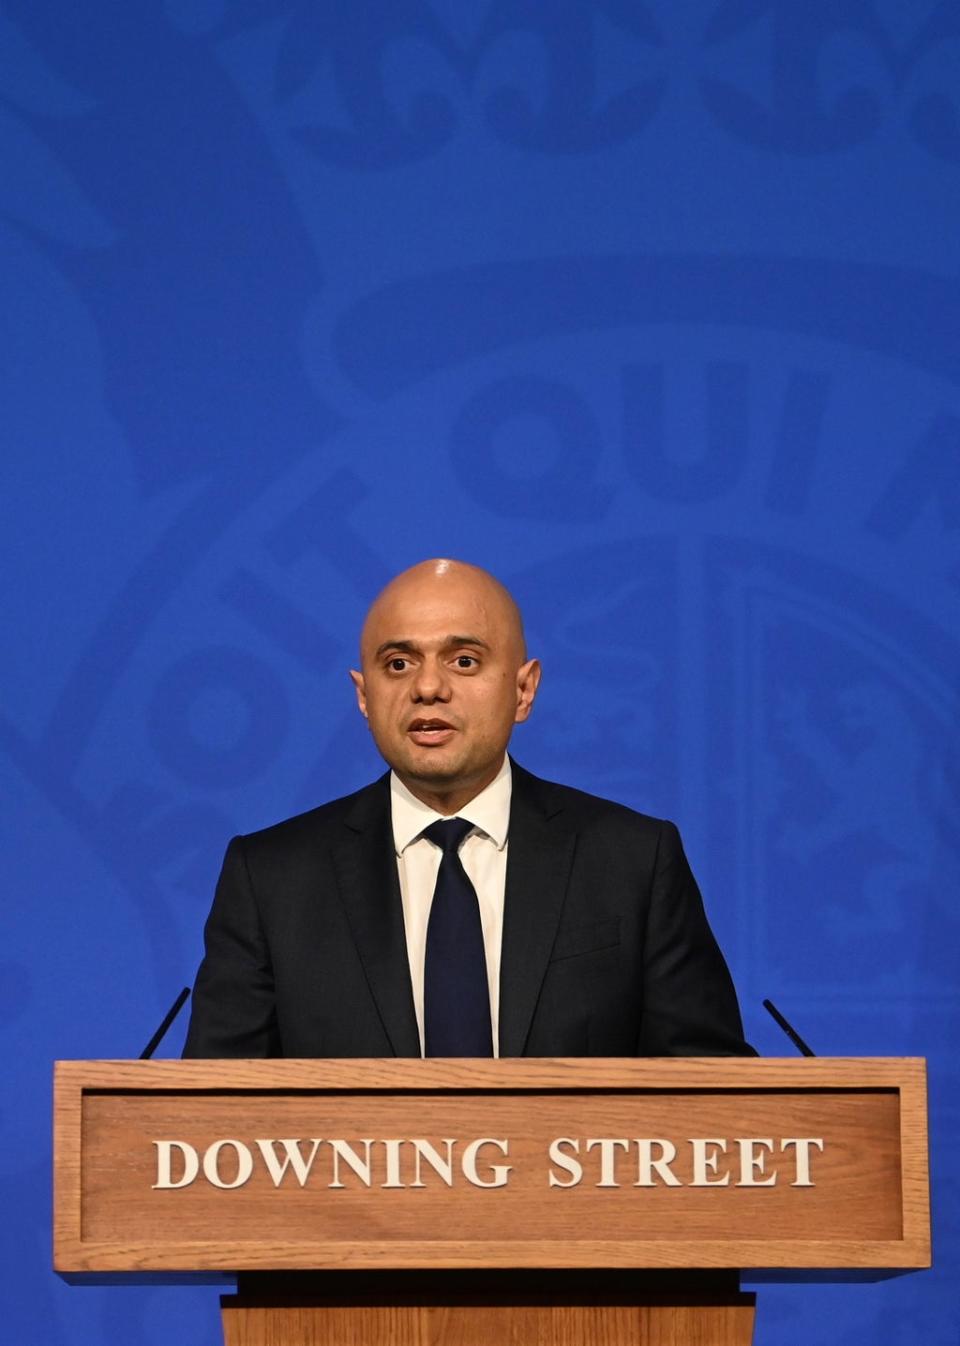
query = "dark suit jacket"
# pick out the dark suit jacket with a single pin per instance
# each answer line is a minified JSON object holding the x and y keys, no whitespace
{"x":606,"y":948}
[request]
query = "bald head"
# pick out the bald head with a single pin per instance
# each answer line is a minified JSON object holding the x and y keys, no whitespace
{"x":443,"y":582}
{"x":444,"y":677}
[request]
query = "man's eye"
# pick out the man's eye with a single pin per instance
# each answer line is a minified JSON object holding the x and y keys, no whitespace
{"x":397,"y":665}
{"x":465,"y":661}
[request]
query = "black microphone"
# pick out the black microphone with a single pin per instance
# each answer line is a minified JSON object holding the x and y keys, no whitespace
{"x":790,"y":1031}
{"x":161,"y":1032}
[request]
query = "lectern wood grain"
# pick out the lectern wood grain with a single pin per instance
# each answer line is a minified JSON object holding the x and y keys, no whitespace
{"x":856,"y":1192}
{"x":366,"y":1205}
{"x":496,"y":1325}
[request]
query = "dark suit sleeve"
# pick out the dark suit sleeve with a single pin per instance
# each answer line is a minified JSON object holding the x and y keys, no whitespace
{"x":689,"y":1003}
{"x":233,"y":1010}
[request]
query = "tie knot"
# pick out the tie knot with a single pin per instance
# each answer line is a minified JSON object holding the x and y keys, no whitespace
{"x":448,"y":833}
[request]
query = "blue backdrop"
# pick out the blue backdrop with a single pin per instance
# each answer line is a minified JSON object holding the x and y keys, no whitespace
{"x":652,"y":308}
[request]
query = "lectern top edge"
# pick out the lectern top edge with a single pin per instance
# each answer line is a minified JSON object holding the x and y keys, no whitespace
{"x":506,"y":1074}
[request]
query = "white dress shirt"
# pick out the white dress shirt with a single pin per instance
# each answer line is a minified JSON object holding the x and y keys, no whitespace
{"x":483,"y":856}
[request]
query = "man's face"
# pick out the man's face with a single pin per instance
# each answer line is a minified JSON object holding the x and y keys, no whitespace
{"x":444,"y":681}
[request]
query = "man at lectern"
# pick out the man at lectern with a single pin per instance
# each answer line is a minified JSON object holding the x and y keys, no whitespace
{"x":458,"y":906}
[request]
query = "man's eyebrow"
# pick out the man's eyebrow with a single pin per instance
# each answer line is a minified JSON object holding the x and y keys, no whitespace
{"x":452,"y":641}
{"x":411,"y":647}
{"x":407,"y":646}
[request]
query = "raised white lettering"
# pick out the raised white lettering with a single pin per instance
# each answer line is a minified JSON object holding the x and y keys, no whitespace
{"x":343,"y":1150}
{"x":226,"y":1163}
{"x":191,"y":1164}
{"x":608,"y":1147}
{"x":647,"y":1164}
{"x":565,"y":1161}
{"x":211,"y":1163}
{"x":753,"y":1155}
{"x":469,"y":1163}
{"x":803,"y":1145}
{"x":422,"y":1149}
{"x":704,"y":1161}
{"x":391,"y":1154}
{"x":292,"y":1159}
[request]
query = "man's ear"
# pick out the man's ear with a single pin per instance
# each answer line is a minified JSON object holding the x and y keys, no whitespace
{"x":357,"y":680}
{"x":528,"y":680}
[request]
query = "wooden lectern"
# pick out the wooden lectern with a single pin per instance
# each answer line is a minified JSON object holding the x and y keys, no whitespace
{"x":460,"y":1203}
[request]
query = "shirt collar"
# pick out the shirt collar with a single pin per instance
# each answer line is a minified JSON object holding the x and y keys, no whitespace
{"x":489,"y":810}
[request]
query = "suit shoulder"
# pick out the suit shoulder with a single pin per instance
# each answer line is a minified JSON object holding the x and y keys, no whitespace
{"x":315,"y":823}
{"x":593,"y":810}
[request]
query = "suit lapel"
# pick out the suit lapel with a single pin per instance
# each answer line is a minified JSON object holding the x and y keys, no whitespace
{"x":370,"y":892}
{"x":539,"y":856}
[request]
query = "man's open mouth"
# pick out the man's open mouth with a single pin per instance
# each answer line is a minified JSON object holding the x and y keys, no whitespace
{"x":430,"y":732}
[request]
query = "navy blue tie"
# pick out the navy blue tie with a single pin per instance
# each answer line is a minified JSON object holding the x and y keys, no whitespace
{"x":456,"y":997}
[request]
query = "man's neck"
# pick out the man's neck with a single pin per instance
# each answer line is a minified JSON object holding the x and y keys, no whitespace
{"x":448,"y":800}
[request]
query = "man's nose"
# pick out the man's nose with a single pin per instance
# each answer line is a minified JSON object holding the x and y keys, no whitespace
{"x":431,"y":683}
